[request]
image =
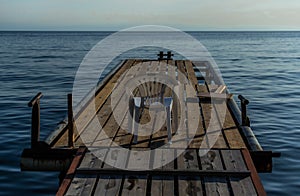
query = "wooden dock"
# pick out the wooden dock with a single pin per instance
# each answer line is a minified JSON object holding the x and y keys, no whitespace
{"x":228,"y":167}
{"x":219,"y":172}
{"x":229,"y":137}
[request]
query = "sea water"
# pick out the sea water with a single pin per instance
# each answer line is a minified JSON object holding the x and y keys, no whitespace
{"x":262,"y":66}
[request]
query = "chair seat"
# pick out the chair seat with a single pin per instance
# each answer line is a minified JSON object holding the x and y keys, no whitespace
{"x":140,"y":102}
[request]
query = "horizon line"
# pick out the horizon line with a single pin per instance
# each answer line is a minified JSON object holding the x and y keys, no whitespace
{"x":203,"y":30}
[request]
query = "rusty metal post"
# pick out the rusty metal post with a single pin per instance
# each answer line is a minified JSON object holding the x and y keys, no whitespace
{"x":35,"y":120}
{"x":244,"y":103}
{"x":70,"y":122}
{"x":160,"y":55}
{"x":169,"y":55}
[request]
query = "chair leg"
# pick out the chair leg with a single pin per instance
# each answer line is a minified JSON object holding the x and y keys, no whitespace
{"x":168,"y":102}
{"x":169,"y":130}
{"x":130,"y":116}
{"x":136,"y":115}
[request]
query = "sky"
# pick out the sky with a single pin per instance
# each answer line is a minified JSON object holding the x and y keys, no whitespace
{"x":101,"y":15}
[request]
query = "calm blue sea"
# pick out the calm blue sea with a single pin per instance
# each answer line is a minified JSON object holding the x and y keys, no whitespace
{"x":263,"y":66}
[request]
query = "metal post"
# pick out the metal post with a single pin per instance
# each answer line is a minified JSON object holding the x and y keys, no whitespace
{"x":35,"y":120}
{"x":160,"y":55}
{"x":70,"y":122}
{"x":169,"y":55}
{"x":244,"y":103}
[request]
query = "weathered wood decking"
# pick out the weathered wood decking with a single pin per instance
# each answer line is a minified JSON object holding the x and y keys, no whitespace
{"x":227,"y":169}
{"x":197,"y":142}
{"x":219,"y":172}
{"x":229,"y":137}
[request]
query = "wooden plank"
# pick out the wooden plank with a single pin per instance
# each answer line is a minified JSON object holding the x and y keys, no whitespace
{"x":212,"y":161}
{"x":93,"y":129}
{"x":165,"y":172}
{"x":108,"y":185}
{"x":206,"y":115}
{"x":193,"y":108}
{"x":194,"y":119}
{"x":134,"y":185}
{"x":90,"y":130}
{"x":191,"y":73}
{"x":180,"y":138}
{"x":154,"y":69}
{"x":233,"y":160}
{"x":137,"y":184}
{"x":218,"y":114}
{"x":188,"y":185}
{"x":138,"y":159}
{"x":110,"y":127}
{"x":123,"y":136}
{"x":93,"y":159}
{"x":163,"y":185}
{"x":82,"y":185}
{"x":175,"y":109}
{"x":254,"y":175}
{"x":86,"y":116}
{"x":71,"y":171}
{"x":116,"y":158}
{"x":188,"y":159}
{"x":208,"y":96}
{"x":145,"y":118}
{"x":159,"y":134}
{"x":82,"y":182}
{"x":164,"y":68}
{"x":111,"y":184}
{"x":212,"y":111}
{"x":232,"y":133}
{"x":107,"y":133}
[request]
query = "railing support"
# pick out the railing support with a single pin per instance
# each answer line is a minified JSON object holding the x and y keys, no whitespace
{"x":244,"y":103}
{"x":70,"y":122}
{"x":35,"y":120}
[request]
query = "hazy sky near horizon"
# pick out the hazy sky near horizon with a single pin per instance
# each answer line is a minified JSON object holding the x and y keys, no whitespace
{"x":119,"y":14}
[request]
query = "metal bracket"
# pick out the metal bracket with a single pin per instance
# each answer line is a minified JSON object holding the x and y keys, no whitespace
{"x":263,"y":160}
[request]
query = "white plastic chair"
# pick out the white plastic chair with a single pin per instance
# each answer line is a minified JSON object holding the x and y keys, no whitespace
{"x":149,"y":93}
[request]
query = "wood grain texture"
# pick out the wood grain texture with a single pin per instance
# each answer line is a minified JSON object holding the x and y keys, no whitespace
{"x":193,"y":119}
{"x":214,"y":185}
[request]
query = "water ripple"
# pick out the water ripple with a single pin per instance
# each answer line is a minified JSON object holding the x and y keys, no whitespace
{"x":263,"y":66}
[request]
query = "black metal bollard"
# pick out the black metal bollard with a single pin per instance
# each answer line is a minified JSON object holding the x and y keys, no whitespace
{"x":244,"y":103}
{"x":35,"y":120}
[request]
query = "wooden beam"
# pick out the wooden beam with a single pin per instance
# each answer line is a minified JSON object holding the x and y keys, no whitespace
{"x":208,"y":96}
{"x":70,"y":174}
{"x":164,"y":172}
{"x":254,"y":176}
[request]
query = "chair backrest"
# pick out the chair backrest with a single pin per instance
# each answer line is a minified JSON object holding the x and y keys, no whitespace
{"x":151,"y":92}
